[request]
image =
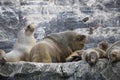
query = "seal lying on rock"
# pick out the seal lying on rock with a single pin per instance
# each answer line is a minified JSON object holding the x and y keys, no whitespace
{"x":103,"y":45}
{"x":114,"y":52}
{"x":90,"y":55}
{"x":114,"y":55}
{"x":93,"y":54}
{"x":25,"y":41}
{"x":57,"y":46}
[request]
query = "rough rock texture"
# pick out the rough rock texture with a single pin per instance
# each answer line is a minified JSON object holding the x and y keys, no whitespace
{"x":54,"y":16}
{"x":81,"y":70}
{"x":56,"y":71}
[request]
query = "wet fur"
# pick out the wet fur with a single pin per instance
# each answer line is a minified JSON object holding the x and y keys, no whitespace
{"x":92,"y":55}
{"x":25,"y":41}
{"x":100,"y":52}
{"x":114,"y":52}
{"x":75,"y":56}
{"x":56,"y":47}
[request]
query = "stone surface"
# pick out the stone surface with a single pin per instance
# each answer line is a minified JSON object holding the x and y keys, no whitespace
{"x":110,"y":34}
{"x":55,"y":71}
{"x":81,"y":70}
{"x":55,"y":16}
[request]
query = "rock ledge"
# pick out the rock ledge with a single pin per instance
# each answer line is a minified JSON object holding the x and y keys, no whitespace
{"x":60,"y":71}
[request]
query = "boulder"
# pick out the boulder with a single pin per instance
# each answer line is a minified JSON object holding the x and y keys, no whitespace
{"x":80,"y":70}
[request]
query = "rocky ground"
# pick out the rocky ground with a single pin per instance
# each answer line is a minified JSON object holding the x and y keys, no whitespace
{"x":58,"y":15}
{"x":55,"y":16}
{"x":81,"y":70}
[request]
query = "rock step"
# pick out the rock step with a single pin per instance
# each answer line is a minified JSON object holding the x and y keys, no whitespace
{"x":60,"y":71}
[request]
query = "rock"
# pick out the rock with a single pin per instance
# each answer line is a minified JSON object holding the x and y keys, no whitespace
{"x":6,"y":45}
{"x":110,"y":34}
{"x":113,"y":71}
{"x":9,"y":18}
{"x":81,"y":70}
{"x":56,"y":15}
{"x":54,"y":71}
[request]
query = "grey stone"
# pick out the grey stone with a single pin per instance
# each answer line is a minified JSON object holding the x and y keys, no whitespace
{"x":6,"y":45}
{"x":51,"y":16}
{"x":9,"y":18}
{"x":54,"y":71}
{"x":56,"y":15}
{"x":80,"y":70}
